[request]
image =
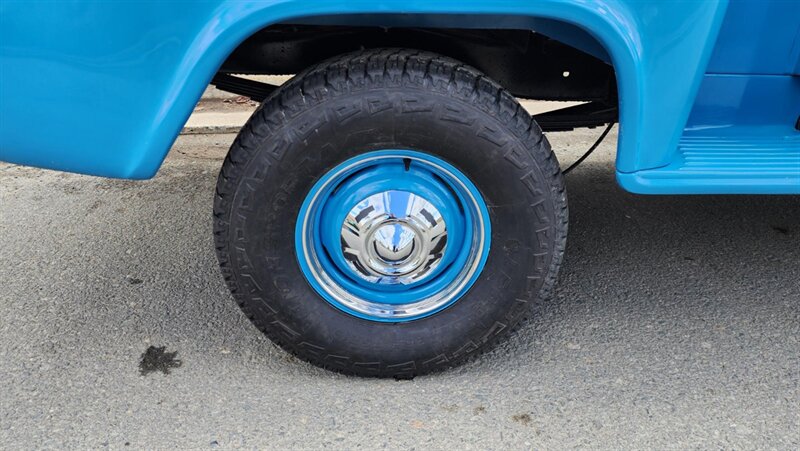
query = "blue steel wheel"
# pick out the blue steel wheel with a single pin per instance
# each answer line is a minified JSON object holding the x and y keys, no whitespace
{"x":389,"y":213}
{"x":393,"y":235}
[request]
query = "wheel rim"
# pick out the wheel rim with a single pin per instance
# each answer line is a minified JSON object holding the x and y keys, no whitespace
{"x":392,"y":235}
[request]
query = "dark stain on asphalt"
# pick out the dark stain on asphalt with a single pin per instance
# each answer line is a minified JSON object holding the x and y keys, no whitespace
{"x":135,"y":281}
{"x":95,"y":205}
{"x":155,"y":358}
{"x":781,"y":230}
{"x":522,"y":418}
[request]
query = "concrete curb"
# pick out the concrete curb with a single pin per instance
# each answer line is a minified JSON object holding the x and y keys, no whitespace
{"x":214,"y":122}
{"x":214,"y":130}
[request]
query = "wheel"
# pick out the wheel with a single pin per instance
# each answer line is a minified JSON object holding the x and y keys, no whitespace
{"x":389,"y":213}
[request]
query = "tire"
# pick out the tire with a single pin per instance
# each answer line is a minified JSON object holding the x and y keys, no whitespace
{"x":345,"y":108}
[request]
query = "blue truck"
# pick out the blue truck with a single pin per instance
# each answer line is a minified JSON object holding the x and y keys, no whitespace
{"x":392,"y":210}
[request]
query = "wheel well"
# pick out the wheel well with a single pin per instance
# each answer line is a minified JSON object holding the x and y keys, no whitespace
{"x":527,"y":63}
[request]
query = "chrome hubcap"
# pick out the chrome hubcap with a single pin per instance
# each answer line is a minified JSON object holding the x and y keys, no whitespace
{"x":393,"y":237}
{"x":394,"y":243}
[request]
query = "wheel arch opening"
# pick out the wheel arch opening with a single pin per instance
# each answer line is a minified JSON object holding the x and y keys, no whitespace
{"x":533,"y":58}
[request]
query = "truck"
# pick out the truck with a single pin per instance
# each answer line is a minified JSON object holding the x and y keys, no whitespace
{"x":392,"y":210}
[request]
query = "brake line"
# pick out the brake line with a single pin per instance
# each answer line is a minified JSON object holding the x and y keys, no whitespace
{"x":591,"y":149}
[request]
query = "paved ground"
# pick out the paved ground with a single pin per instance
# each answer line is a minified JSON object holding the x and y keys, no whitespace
{"x":676,"y":324}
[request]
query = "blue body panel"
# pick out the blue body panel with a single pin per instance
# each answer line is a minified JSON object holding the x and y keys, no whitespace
{"x":741,"y":136}
{"x":104,"y":88}
{"x":758,"y":37}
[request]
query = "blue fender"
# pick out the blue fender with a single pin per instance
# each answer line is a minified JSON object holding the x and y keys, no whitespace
{"x":103,"y":88}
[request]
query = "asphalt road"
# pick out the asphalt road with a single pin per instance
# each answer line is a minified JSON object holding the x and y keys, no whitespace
{"x":676,"y":324}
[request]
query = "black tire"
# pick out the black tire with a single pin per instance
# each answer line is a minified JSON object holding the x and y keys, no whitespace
{"x":382,"y":99}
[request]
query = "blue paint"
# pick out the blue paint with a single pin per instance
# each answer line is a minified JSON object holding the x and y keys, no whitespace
{"x":338,"y":191}
{"x":740,"y":139}
{"x":103,"y":88}
{"x":738,"y":105}
{"x":758,"y":37}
